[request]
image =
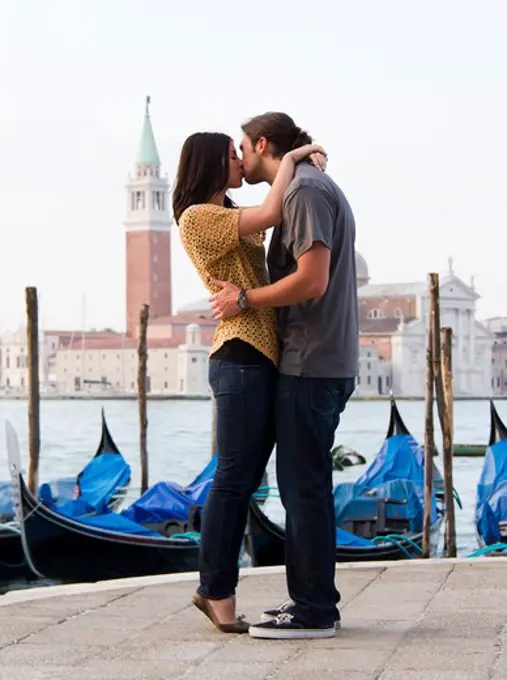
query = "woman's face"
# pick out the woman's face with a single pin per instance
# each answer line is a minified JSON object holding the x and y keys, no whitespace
{"x":235,"y":169}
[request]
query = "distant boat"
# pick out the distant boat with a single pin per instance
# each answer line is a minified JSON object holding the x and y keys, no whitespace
{"x":469,"y":450}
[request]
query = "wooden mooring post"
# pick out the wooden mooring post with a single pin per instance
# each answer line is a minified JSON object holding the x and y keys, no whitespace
{"x":32,"y":358}
{"x":447,"y":424}
{"x":429,"y":428}
{"x":142,"y":353}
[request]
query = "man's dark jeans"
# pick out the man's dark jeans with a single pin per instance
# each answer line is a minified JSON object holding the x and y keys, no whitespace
{"x":307,"y":415}
{"x":245,"y":396}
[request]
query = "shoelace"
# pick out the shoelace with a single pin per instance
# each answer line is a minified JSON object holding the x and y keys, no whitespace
{"x":284,"y":618}
{"x":286,"y":605}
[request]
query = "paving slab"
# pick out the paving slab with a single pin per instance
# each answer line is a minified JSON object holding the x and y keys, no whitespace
{"x":437,"y":620}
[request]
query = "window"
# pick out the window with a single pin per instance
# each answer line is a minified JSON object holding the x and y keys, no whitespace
{"x":157,"y":200}
{"x":22,"y":382}
{"x":165,"y":355}
{"x":387,"y":381}
{"x":194,"y":360}
{"x":139,"y":200}
{"x":7,"y":362}
{"x":155,"y":258}
{"x":368,"y":353}
{"x":368,"y":380}
{"x":375,"y":314}
{"x":368,"y":366}
{"x":498,"y":381}
{"x":358,"y":379}
{"x":398,"y":313}
{"x":165,"y":385}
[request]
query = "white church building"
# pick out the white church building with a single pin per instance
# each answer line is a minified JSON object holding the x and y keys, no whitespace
{"x":393,"y":320}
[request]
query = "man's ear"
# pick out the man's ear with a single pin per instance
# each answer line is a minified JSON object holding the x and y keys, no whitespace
{"x":262,"y":146}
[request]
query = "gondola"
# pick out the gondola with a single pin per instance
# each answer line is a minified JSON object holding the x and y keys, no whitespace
{"x":101,"y":484}
{"x":155,"y":535}
{"x":378,"y":517}
{"x":491,"y":503}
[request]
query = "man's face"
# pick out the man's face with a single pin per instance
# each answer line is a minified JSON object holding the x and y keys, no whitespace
{"x":253,"y":165}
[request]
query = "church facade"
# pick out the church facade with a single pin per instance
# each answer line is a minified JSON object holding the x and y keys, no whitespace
{"x":393,"y":320}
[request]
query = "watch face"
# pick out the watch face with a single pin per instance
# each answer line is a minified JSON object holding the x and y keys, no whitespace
{"x":242,"y":302}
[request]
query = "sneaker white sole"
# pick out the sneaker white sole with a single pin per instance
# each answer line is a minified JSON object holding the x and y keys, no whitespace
{"x":303,"y":634}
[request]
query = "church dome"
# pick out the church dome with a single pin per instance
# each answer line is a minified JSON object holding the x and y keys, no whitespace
{"x":361,"y":269}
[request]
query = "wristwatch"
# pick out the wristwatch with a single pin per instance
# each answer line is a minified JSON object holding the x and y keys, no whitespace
{"x":242,"y":302}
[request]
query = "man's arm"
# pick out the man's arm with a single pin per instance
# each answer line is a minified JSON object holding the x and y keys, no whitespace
{"x":308,"y":231}
{"x":309,"y":281}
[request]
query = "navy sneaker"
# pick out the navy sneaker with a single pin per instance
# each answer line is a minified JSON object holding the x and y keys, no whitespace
{"x":286,"y":607}
{"x":288,"y":627}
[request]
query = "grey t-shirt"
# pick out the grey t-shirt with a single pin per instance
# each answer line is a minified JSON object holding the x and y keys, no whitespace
{"x":319,"y":338}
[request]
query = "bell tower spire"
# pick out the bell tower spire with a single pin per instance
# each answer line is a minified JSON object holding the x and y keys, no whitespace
{"x":148,"y":232}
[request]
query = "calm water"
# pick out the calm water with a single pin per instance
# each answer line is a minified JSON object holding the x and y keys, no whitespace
{"x":179,"y":441}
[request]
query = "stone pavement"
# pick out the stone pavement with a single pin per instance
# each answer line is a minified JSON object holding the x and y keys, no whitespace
{"x":436,"y":620}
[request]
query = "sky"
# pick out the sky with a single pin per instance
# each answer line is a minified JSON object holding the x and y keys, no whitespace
{"x":408,"y":99}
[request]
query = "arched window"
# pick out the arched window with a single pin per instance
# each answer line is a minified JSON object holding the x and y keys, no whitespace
{"x":375,"y":314}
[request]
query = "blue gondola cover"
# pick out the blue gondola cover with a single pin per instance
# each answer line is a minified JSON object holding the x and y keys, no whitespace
{"x":169,"y":500}
{"x":396,"y":473}
{"x":491,"y":505}
{"x":6,"y":507}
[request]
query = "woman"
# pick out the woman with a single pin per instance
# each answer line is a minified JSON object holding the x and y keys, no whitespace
{"x":224,"y":243}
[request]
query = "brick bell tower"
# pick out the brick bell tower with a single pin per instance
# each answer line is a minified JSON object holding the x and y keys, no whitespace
{"x":148,"y":234}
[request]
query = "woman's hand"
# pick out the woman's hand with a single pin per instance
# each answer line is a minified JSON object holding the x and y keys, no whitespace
{"x":302,"y":152}
{"x":318,"y":160}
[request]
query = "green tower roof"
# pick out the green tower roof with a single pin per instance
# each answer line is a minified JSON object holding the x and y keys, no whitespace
{"x":148,"y":154}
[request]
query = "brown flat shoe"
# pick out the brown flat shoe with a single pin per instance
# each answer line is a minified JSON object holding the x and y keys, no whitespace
{"x":238,"y":626}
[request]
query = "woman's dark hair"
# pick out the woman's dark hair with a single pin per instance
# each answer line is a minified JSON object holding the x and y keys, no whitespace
{"x":203,"y":170}
{"x":279,"y":129}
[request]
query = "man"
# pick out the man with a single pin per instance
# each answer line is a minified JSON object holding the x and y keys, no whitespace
{"x":311,"y":263}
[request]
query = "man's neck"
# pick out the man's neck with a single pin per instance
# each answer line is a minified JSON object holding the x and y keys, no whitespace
{"x":272,"y":166}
